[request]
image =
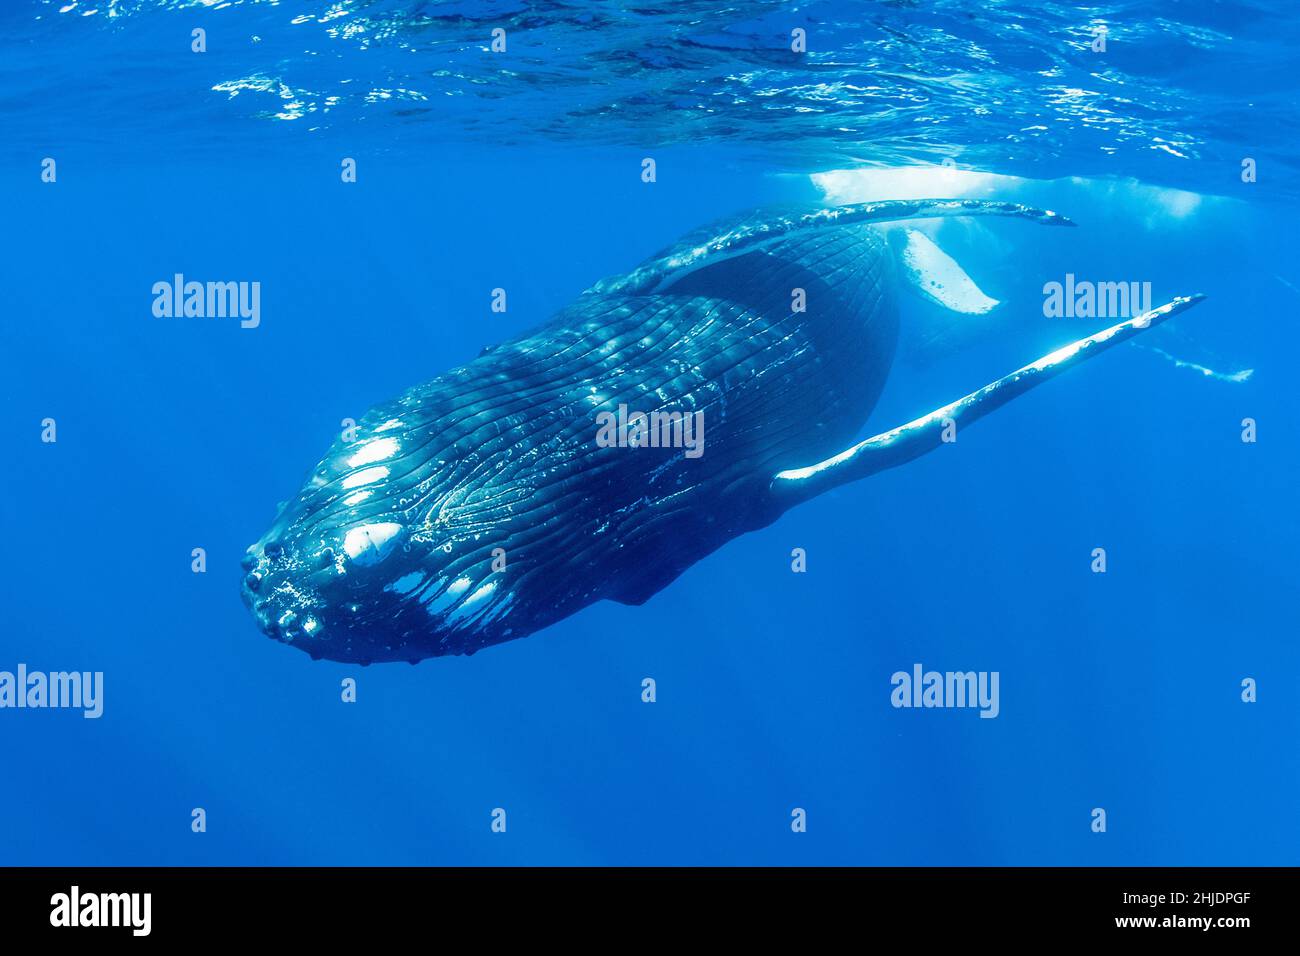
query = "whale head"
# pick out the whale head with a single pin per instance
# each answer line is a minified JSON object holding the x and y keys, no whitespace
{"x":374,"y":560}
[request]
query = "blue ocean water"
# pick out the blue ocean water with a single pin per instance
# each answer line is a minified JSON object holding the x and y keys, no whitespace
{"x":523,"y":170}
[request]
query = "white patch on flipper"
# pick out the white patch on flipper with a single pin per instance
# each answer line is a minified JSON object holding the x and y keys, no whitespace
{"x":935,"y":275}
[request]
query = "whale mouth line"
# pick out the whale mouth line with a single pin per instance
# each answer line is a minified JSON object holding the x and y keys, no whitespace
{"x":286,"y":625}
{"x":282,"y":609}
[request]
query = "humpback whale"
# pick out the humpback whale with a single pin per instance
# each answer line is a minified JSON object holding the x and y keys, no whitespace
{"x":480,"y":508}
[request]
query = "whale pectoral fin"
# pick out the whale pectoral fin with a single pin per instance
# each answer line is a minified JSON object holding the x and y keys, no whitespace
{"x":906,"y":442}
{"x":1185,"y":353}
{"x":935,"y":275}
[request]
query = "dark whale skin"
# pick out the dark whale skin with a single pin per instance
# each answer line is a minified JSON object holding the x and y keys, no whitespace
{"x":501,"y":453}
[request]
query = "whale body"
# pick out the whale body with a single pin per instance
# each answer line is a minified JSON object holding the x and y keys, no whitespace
{"x":488,"y":503}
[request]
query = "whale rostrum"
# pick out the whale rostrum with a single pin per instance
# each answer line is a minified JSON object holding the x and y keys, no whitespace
{"x":661,"y":414}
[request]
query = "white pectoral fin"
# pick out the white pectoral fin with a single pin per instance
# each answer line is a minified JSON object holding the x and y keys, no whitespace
{"x":906,"y":442}
{"x":937,"y":276}
{"x":1185,"y":353}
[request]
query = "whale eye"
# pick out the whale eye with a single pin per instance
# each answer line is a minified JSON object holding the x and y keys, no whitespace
{"x":371,"y":543}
